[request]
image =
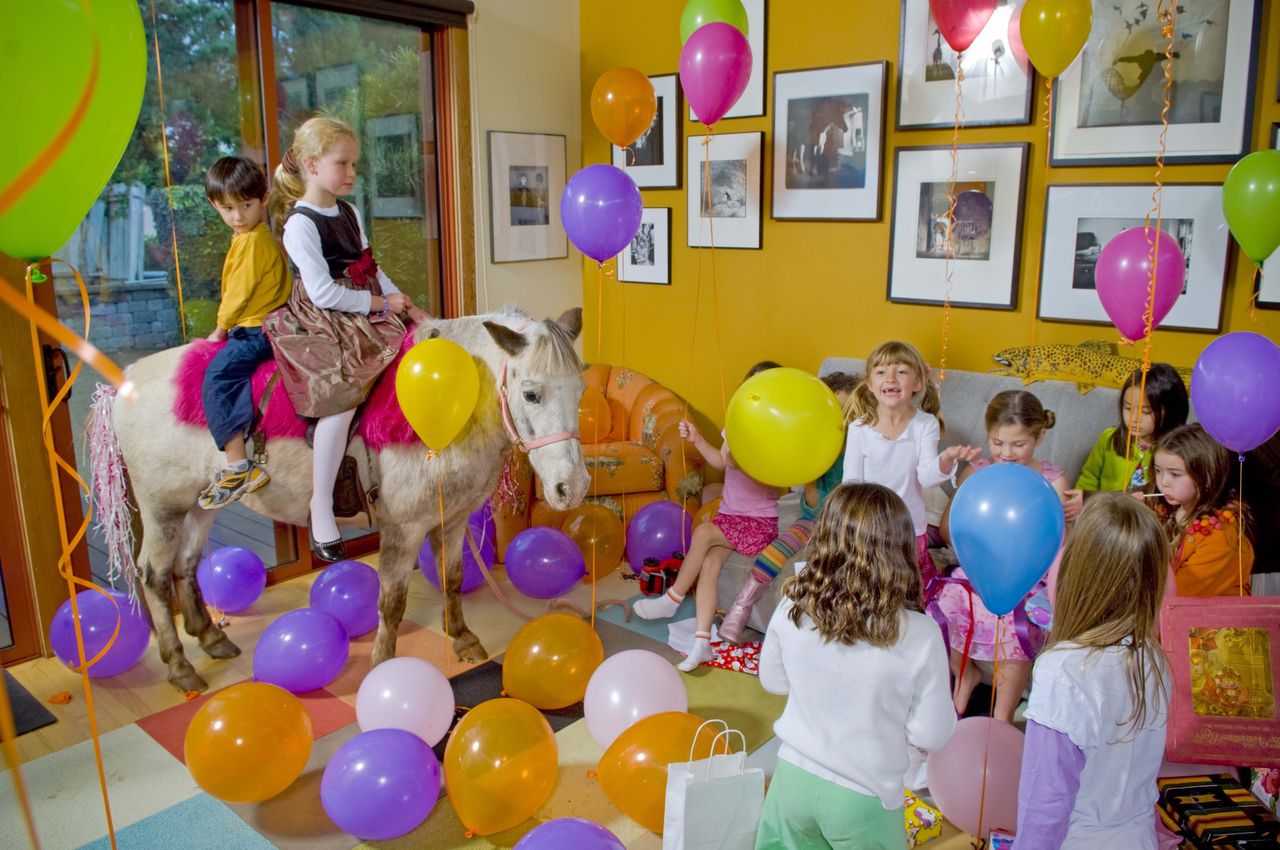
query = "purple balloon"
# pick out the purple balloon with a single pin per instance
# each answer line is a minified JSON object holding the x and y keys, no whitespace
{"x":1233,"y":390}
{"x":715,"y":66}
{"x":656,"y":531}
{"x":380,"y":784}
{"x":569,"y":832}
{"x":544,"y":562}
{"x":485,"y":533}
{"x":231,"y":578}
{"x":601,"y":209}
{"x":98,"y":616}
{"x":349,"y":591}
{"x":1123,"y":276}
{"x":300,"y":651}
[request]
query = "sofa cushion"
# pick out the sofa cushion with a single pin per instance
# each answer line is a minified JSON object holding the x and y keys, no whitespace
{"x":620,"y":467}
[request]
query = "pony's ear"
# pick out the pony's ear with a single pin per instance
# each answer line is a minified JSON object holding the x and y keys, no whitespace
{"x":508,"y":340}
{"x":571,"y":321}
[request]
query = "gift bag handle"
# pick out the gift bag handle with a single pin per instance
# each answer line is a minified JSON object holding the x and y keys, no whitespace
{"x":727,"y":734}
{"x":694,"y":744}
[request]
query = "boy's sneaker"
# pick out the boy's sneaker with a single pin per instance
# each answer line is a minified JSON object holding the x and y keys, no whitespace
{"x":231,"y":484}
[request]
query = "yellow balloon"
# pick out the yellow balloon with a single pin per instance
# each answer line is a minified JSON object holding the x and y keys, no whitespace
{"x":1054,"y":32}
{"x":598,"y":533}
{"x":550,"y":660}
{"x":784,"y":427}
{"x":623,"y":105}
{"x":500,"y":765}
{"x":633,"y":771}
{"x":248,"y":743}
{"x":437,"y":385}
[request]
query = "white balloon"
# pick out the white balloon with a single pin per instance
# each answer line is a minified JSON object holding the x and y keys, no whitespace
{"x":409,"y":694}
{"x":628,"y":687}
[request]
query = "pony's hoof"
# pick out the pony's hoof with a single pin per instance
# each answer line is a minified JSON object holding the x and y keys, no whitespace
{"x":221,"y":647}
{"x":469,"y":649}
{"x":188,"y":680}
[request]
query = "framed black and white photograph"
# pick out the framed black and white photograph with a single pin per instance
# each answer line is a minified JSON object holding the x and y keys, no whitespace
{"x":724,"y":193}
{"x":997,"y":87}
{"x":1268,"y":285}
{"x":526,"y":177}
{"x":1107,"y":105}
{"x":395,"y":166}
{"x":1079,"y":221}
{"x":828,"y":150}
{"x":751,"y":103}
{"x":653,"y":160}
{"x":648,"y":258}
{"x":986,"y":231}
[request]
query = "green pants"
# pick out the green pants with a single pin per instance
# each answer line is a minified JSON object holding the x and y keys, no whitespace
{"x":806,"y":812}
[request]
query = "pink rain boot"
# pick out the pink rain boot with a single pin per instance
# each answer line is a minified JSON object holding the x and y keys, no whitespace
{"x":736,"y":620}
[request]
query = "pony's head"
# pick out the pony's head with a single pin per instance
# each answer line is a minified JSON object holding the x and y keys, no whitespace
{"x":542,"y":388}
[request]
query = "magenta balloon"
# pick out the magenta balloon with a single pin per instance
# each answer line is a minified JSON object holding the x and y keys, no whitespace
{"x":349,"y":591}
{"x":485,"y":534}
{"x":658,"y":530}
{"x":1234,"y":390}
{"x":715,"y":65}
{"x":955,"y":775}
{"x":544,"y":562}
{"x":1123,"y":277}
{"x":380,"y":784}
{"x":628,"y":687}
{"x":601,"y":209}
{"x":231,"y":578}
{"x":98,"y":616}
{"x":302,"y":650}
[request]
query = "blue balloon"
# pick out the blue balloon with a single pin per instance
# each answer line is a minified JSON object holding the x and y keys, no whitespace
{"x":1006,"y":527}
{"x":381,"y":784}
{"x":569,"y":832}
{"x":601,"y":210}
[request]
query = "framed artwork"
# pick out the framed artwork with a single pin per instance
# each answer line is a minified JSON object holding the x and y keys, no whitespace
{"x":1107,"y":105}
{"x":648,"y":258}
{"x":395,"y":166}
{"x":997,"y":87}
{"x":828,"y":151}
{"x":987,"y":234}
{"x":724,"y":193}
{"x":653,"y":160}
{"x":526,"y":177}
{"x":752,"y":101}
{"x":1268,"y":285}
{"x":1080,"y":219}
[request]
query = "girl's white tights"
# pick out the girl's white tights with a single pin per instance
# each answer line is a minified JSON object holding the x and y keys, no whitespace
{"x":329,"y":443}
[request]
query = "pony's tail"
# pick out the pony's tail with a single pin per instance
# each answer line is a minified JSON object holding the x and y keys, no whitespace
{"x":113,"y":516}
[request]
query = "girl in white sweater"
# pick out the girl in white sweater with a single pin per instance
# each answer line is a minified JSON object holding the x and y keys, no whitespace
{"x":866,"y":679}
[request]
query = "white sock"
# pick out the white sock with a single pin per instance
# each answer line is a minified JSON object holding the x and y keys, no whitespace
{"x":330,"y":443}
{"x":658,"y":607}
{"x":699,"y":653}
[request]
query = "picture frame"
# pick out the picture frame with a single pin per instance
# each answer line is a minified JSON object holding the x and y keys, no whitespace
{"x":997,"y":89}
{"x":1075,"y":231}
{"x":988,"y":225}
{"x":1266,"y":288}
{"x":751,"y":103}
{"x":828,"y":150}
{"x":648,"y":258}
{"x":526,"y":178}
{"x":653,"y":160}
{"x":395,"y":166}
{"x":734,"y":219}
{"x":1107,"y":105}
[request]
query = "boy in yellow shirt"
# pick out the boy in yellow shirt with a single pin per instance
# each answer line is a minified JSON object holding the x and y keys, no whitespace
{"x":255,"y":281}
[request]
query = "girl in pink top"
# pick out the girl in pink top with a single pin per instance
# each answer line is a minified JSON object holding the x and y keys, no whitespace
{"x":746,"y":523}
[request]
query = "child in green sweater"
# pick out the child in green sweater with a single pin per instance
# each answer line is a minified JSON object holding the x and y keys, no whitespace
{"x":1163,"y":407}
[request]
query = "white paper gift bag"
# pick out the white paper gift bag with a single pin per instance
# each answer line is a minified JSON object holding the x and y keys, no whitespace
{"x":713,"y":803}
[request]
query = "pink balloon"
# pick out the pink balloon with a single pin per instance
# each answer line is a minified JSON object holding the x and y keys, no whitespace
{"x":715,"y":65}
{"x":627,"y":688}
{"x":960,"y":21}
{"x":1015,"y":41}
{"x":406,"y":693}
{"x":1123,"y":276}
{"x":955,"y":775}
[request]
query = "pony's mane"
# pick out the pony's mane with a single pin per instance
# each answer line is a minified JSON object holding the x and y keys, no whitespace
{"x":553,"y":352}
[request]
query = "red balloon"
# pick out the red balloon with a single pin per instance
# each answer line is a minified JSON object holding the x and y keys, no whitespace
{"x":1015,"y":41}
{"x":960,"y":21}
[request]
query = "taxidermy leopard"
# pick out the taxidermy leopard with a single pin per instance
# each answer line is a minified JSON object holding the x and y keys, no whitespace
{"x":1089,"y":364}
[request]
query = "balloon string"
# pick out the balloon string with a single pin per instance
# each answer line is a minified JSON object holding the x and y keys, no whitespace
{"x":53,"y":151}
{"x":443,"y":559}
{"x":9,"y":736}
{"x":1048,"y":115}
{"x":1032,"y":365}
{"x":986,"y":747}
{"x":948,"y":248}
{"x":1258,"y":274}
{"x":1240,"y":529}
{"x":599,"y":309}
{"x":715,"y":290}
{"x":168,"y":178}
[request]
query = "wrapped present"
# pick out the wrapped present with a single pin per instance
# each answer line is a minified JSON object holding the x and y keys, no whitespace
{"x":1266,"y":786}
{"x":924,"y":822}
{"x":1213,"y":812}
{"x":1000,"y":840}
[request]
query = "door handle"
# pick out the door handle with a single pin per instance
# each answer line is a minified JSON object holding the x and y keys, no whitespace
{"x":55,"y":361}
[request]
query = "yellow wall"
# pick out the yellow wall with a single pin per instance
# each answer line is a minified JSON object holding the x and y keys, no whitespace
{"x":818,"y":288}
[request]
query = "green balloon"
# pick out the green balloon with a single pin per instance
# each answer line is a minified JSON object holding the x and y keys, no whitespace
{"x":46,"y":51}
{"x":698,"y":13}
{"x":1251,"y":202}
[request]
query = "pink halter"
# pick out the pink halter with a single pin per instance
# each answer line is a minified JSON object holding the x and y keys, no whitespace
{"x":530,"y":445}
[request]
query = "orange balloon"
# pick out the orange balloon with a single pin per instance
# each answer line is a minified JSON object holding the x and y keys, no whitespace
{"x":706,"y":513}
{"x":500,"y":765}
{"x":550,"y":660}
{"x":594,"y":419}
{"x":623,"y":105}
{"x":633,"y":771}
{"x":598,"y":533}
{"x":248,"y":743}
